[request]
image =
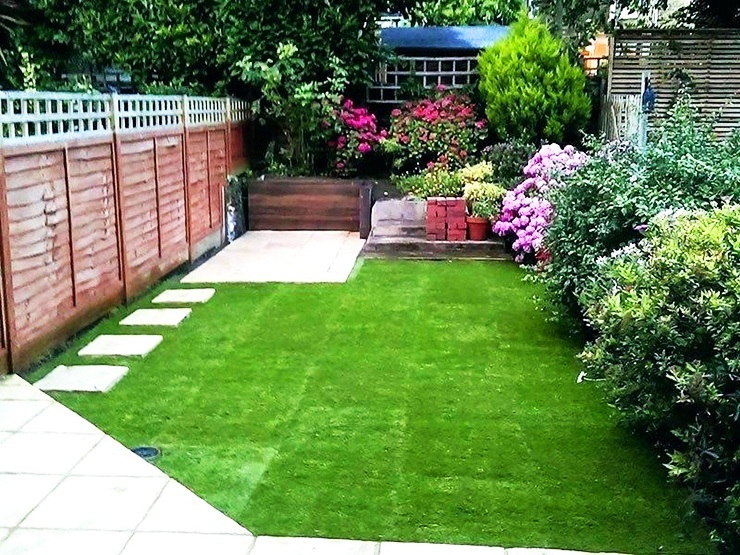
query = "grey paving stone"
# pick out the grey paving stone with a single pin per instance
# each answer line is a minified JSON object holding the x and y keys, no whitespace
{"x":58,"y":542}
{"x":21,"y":493}
{"x":402,"y":548}
{"x":269,"y":545}
{"x":44,"y":453}
{"x":121,"y":345}
{"x":180,"y":510}
{"x":99,"y":503}
{"x":110,"y":458}
{"x":15,"y":388}
{"x":165,"y":543}
{"x":58,"y":419}
{"x":94,"y":378}
{"x":184,"y":296}
{"x":171,"y":317}
{"x":14,"y":414}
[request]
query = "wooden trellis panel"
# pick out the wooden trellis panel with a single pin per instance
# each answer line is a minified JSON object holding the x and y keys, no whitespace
{"x":709,"y":59}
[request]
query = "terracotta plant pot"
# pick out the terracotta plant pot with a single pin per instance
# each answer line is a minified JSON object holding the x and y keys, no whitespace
{"x":478,"y":228}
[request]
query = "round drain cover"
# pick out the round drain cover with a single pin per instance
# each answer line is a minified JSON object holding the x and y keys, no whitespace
{"x":147,"y":453}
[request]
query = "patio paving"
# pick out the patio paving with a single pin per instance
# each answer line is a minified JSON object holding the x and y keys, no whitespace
{"x":94,"y":378}
{"x":121,"y":345}
{"x":172,"y":317}
{"x":184,"y":296}
{"x":67,"y":487}
{"x":283,"y":256}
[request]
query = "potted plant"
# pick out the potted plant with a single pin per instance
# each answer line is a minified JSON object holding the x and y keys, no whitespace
{"x":479,"y":220}
{"x":484,"y":200}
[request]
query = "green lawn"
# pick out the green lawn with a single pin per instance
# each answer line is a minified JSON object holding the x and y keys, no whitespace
{"x":420,"y":401}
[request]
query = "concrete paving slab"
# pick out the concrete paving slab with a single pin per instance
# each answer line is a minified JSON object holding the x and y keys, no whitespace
{"x":269,"y":545}
{"x":15,"y":388}
{"x":179,"y":510}
{"x":96,"y":503}
{"x":159,"y":543}
{"x":92,"y":377}
{"x":21,"y":493}
{"x":171,"y":317}
{"x":110,"y":458}
{"x":283,"y":256}
{"x":14,"y":414}
{"x":58,"y":542}
{"x":26,"y":453}
{"x":184,"y":296}
{"x":121,"y":345}
{"x":402,"y":548}
{"x":58,"y":419}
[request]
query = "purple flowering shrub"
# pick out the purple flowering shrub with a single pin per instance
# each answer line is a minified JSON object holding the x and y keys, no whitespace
{"x":526,"y":212}
{"x":356,"y":135}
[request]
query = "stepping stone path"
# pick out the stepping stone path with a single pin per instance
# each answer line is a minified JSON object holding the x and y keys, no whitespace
{"x":157,"y":317}
{"x":184,"y":296}
{"x":121,"y":345}
{"x":97,"y":378}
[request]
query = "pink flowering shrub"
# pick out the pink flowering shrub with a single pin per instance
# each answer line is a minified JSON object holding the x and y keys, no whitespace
{"x":527,"y":212}
{"x":440,"y":131}
{"x":356,"y":135}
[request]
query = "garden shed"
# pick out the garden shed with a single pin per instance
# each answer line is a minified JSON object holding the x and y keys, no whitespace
{"x":430,"y":56}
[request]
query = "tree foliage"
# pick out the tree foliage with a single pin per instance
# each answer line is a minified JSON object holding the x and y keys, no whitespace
{"x":531,"y":89}
{"x":462,"y":12}
{"x":199,"y":43}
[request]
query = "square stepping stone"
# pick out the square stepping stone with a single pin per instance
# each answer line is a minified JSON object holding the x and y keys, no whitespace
{"x":184,"y":296}
{"x":99,"y":378}
{"x":157,"y":317}
{"x":121,"y":345}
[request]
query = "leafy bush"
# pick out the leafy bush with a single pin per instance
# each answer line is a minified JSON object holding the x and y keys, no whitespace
{"x":527,"y":211}
{"x":356,"y":135}
{"x":482,"y":195}
{"x":508,"y":159}
{"x":668,"y":317}
{"x":606,"y":203}
{"x":434,"y":182}
{"x":434,"y":131}
{"x":300,"y":110}
{"x":531,"y":89}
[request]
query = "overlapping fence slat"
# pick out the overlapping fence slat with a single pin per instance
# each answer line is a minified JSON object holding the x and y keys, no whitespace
{"x":708,"y":60}
{"x":100,"y":196}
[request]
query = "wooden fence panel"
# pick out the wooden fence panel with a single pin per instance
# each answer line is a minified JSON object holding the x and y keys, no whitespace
{"x":100,"y":196}
{"x":708,"y":60}
{"x":96,"y":262}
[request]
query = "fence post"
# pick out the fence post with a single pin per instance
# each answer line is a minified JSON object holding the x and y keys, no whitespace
{"x":118,"y":195}
{"x":186,"y":174}
{"x":7,"y":307}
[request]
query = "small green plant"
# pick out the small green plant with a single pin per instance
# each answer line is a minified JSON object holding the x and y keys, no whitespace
{"x":531,"y":89}
{"x":435,"y":182}
{"x":483,"y":208}
{"x":483,"y":196}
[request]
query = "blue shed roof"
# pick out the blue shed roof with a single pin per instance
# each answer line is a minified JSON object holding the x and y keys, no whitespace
{"x":443,"y":38}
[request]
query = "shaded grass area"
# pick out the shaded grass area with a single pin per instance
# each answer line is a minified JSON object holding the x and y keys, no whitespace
{"x":420,"y":401}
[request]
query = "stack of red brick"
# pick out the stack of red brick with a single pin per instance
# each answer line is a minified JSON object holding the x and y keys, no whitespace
{"x":446,"y":219}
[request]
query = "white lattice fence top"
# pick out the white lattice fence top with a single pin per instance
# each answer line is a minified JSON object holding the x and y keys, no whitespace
{"x":145,"y":113}
{"x":32,"y":117}
{"x":206,"y":111}
{"x":239,"y":110}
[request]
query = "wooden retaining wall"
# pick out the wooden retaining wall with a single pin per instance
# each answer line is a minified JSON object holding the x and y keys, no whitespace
{"x":101,"y":196}
{"x":304,"y":203}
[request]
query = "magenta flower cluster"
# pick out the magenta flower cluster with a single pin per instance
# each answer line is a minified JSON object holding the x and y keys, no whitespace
{"x":356,"y":134}
{"x":527,"y":212}
{"x":440,"y":131}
